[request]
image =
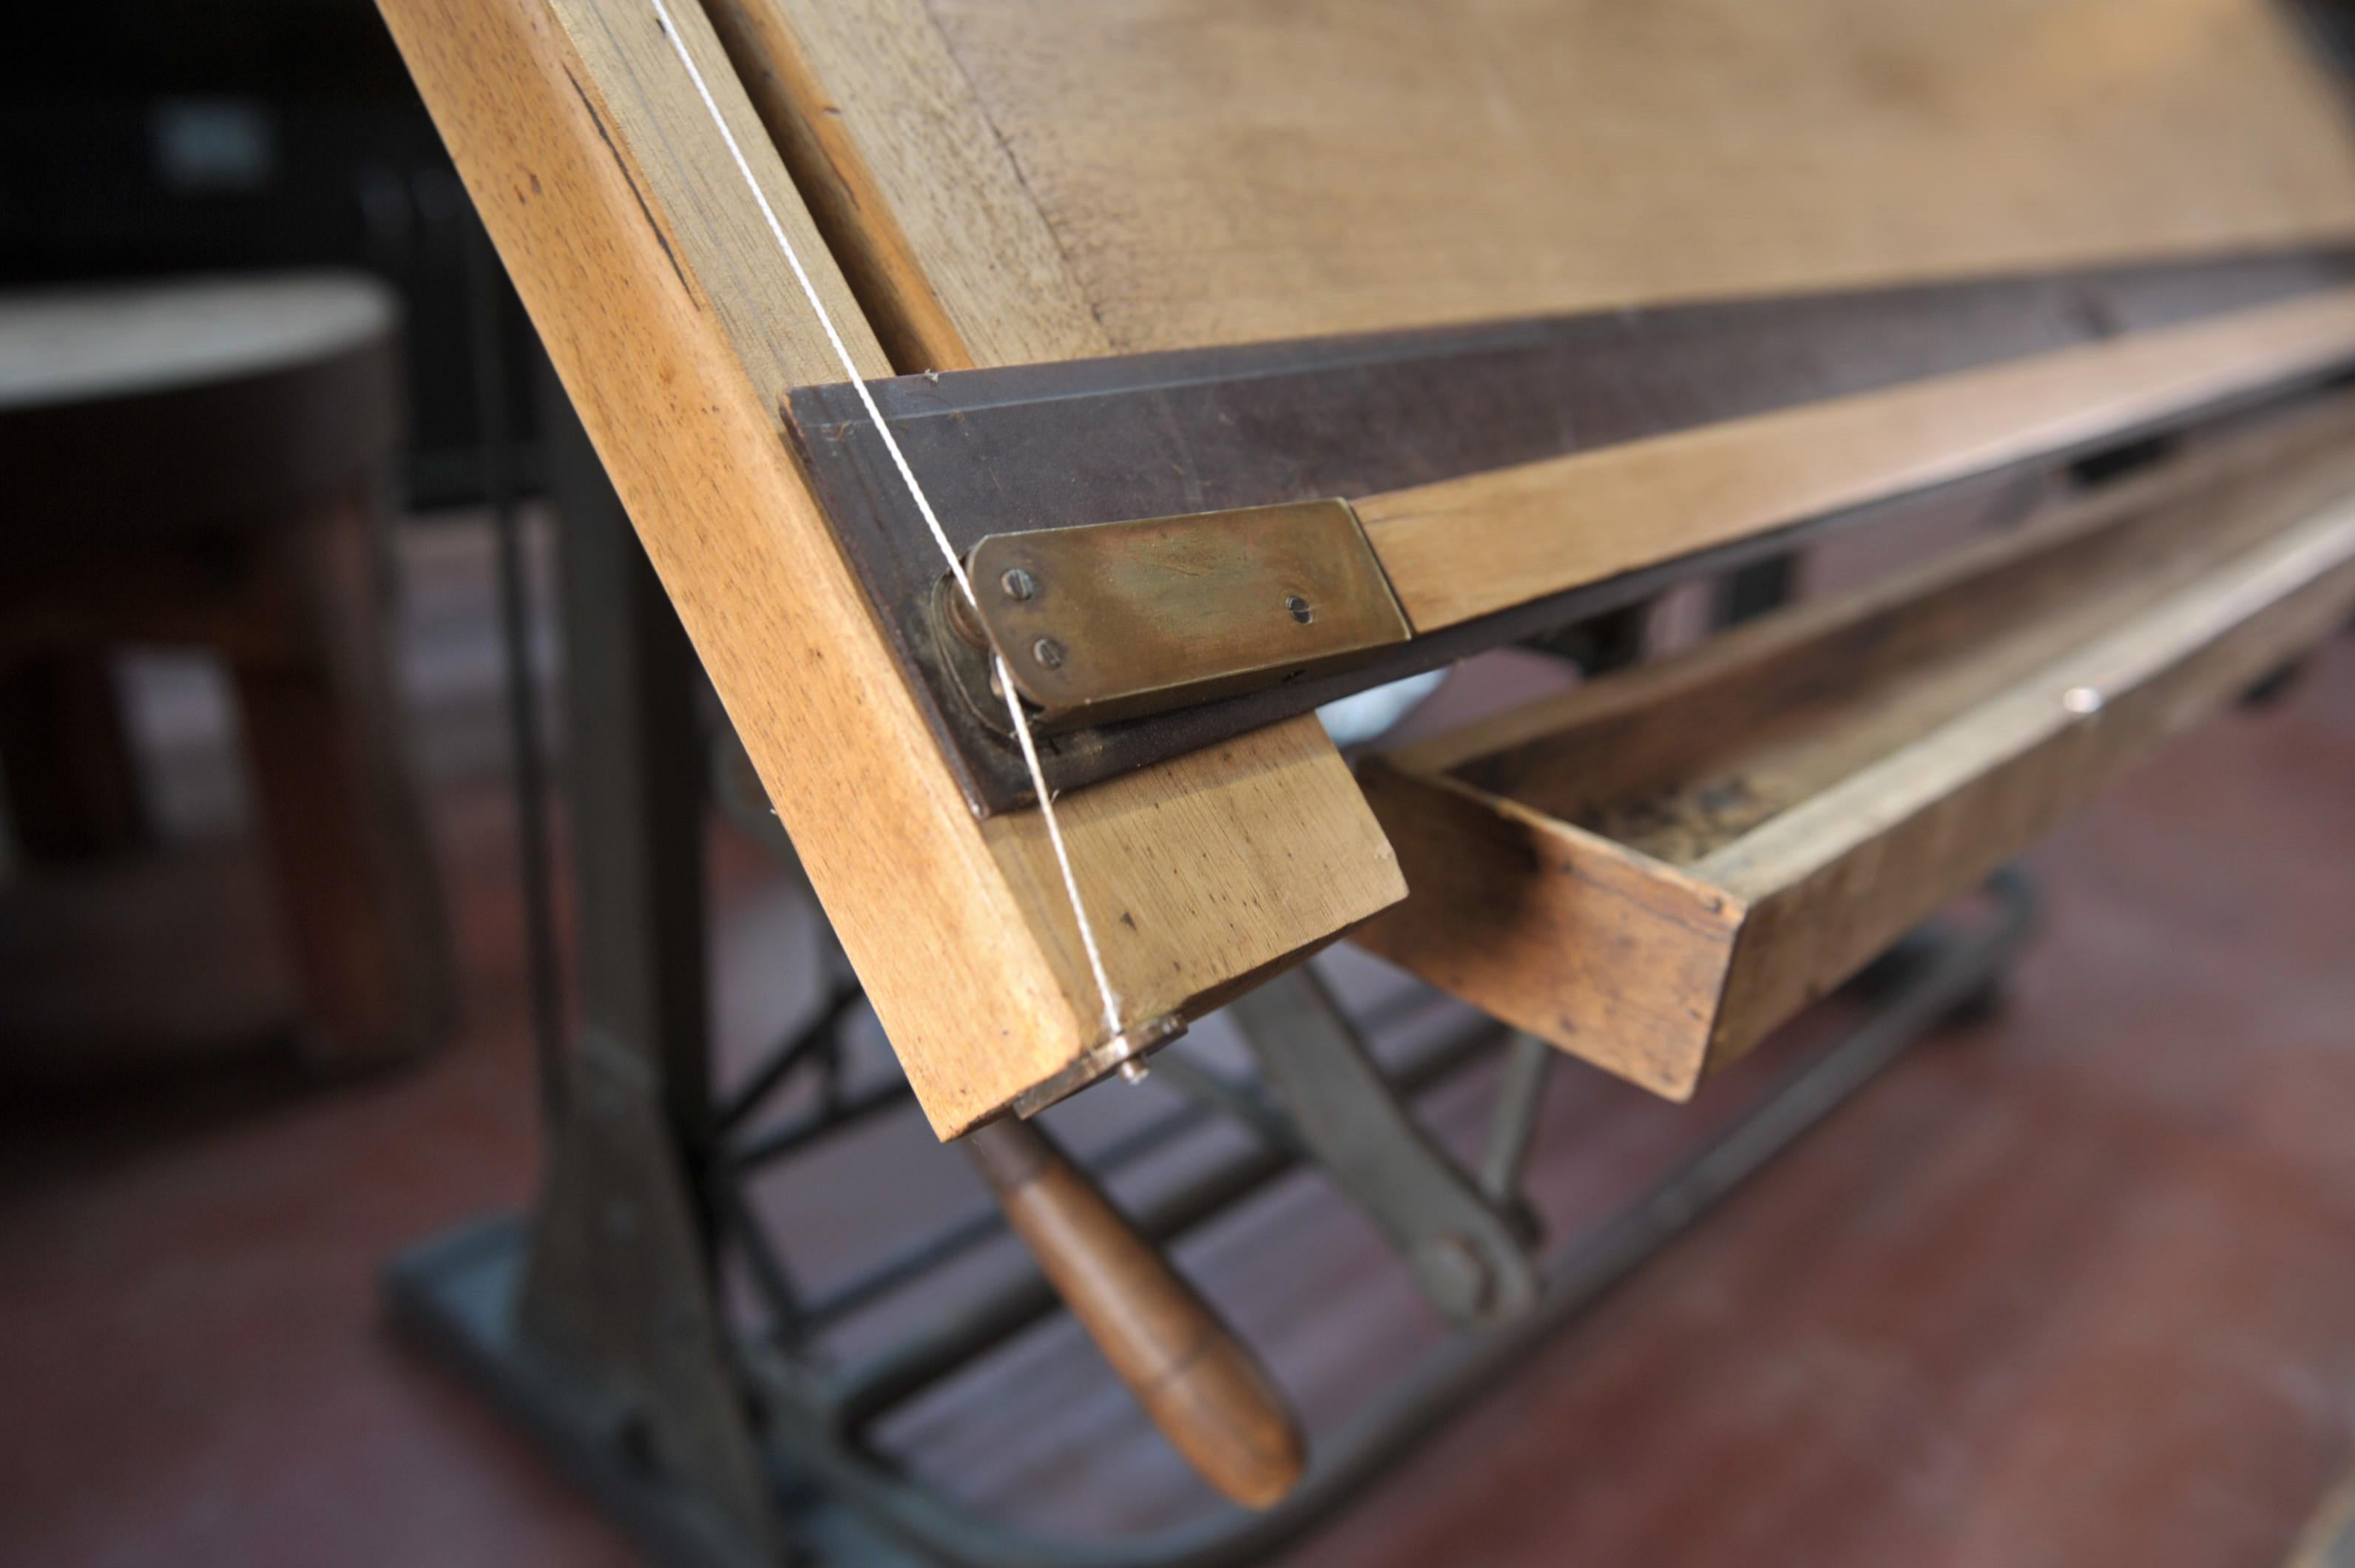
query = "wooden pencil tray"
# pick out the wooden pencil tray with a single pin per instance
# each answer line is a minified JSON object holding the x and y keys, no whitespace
{"x":1655,"y":870}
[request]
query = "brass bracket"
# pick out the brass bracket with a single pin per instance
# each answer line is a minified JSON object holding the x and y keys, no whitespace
{"x":1108,"y":621}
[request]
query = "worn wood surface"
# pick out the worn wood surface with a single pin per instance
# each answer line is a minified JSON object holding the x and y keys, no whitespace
{"x":1202,"y":1386}
{"x":1009,"y":183}
{"x":1469,"y":547}
{"x":1803,"y":791}
{"x":1571,"y":752}
{"x":954,"y":260}
{"x":1609,"y":955}
{"x":901,"y":306}
{"x":675,"y":326}
{"x":1160,"y":174}
{"x":1837,"y":877}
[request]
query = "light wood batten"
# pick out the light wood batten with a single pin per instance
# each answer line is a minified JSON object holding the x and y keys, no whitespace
{"x":1162,"y":174}
{"x":1465,"y":548}
{"x":924,"y":199}
{"x":675,"y":326}
{"x":1656,"y":870}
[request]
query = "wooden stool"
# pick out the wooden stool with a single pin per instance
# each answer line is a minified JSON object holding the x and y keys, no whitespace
{"x":203,"y":464}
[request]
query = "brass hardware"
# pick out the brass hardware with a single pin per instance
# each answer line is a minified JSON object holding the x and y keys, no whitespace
{"x":1110,"y":620}
{"x":1115,"y":1053}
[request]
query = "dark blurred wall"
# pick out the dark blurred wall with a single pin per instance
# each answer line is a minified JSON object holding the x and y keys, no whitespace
{"x":209,"y":135}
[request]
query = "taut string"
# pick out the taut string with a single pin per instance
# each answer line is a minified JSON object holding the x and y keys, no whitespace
{"x":1112,"y":1025}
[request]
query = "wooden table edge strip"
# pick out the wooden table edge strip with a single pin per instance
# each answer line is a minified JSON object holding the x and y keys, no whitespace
{"x":979,"y":433}
{"x":1466,"y":548}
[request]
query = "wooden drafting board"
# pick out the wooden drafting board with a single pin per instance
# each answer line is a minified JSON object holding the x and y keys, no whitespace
{"x":980,"y":185}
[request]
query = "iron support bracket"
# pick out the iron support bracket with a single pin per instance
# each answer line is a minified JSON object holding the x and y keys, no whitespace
{"x":1466,"y":1254}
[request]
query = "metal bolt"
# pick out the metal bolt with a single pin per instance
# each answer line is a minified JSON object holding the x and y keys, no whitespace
{"x":1018,"y":584}
{"x":961,"y":614}
{"x":1048,"y":652}
{"x":1454,"y":1276}
{"x":1299,"y":608}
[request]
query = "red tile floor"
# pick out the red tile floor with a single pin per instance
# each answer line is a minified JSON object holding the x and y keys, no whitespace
{"x":2074,"y":1286}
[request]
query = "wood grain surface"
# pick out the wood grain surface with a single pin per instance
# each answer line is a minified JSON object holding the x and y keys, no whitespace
{"x":1156,"y":173}
{"x":1201,"y":1384}
{"x":1656,"y":870}
{"x":1469,"y":547}
{"x":929,"y":208}
{"x":674,"y":326}
{"x":1834,"y":880}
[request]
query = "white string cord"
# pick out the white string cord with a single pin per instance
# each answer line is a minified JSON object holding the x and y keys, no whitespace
{"x":924,"y":505}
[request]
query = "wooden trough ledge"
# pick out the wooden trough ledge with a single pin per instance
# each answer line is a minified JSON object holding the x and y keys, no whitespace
{"x":1654,"y":871}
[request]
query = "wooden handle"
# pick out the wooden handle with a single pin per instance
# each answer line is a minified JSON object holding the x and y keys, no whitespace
{"x":1206,"y":1392}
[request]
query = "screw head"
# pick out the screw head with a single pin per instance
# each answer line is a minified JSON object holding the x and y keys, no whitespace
{"x":1300,"y":608}
{"x":1018,"y":584}
{"x":1048,"y":652}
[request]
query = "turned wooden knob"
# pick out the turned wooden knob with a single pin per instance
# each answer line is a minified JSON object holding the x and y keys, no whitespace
{"x":1204,"y":1389}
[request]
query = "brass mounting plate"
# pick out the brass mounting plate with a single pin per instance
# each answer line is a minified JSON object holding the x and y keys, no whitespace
{"x":1110,"y":620}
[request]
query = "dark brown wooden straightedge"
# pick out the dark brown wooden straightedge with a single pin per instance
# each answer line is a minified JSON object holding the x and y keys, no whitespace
{"x":1084,"y":442}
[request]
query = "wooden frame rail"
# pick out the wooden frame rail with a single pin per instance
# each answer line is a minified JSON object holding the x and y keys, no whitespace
{"x":1514,"y":477}
{"x":1655,"y":871}
{"x":677,"y":330}
{"x":1218,"y":842}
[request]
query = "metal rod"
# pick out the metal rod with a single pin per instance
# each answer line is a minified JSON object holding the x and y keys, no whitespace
{"x":487,"y":315}
{"x":1513,"y":1125}
{"x":1217,"y":1092}
{"x":1453,"y":1374}
{"x":953,"y":1240}
{"x":827,"y":1120}
{"x":959,"y":1236}
{"x":788,"y":1055}
{"x":864,"y":1390}
{"x":762,"y":1261}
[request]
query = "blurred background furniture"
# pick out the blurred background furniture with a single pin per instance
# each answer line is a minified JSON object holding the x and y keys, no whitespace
{"x":203,"y":465}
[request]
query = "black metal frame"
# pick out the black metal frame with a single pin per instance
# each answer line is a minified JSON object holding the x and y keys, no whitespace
{"x":839,"y":1501}
{"x":597,"y":1323}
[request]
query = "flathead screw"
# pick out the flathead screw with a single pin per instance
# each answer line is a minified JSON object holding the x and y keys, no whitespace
{"x":1048,"y":652}
{"x":1299,"y":608}
{"x":1018,"y":584}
